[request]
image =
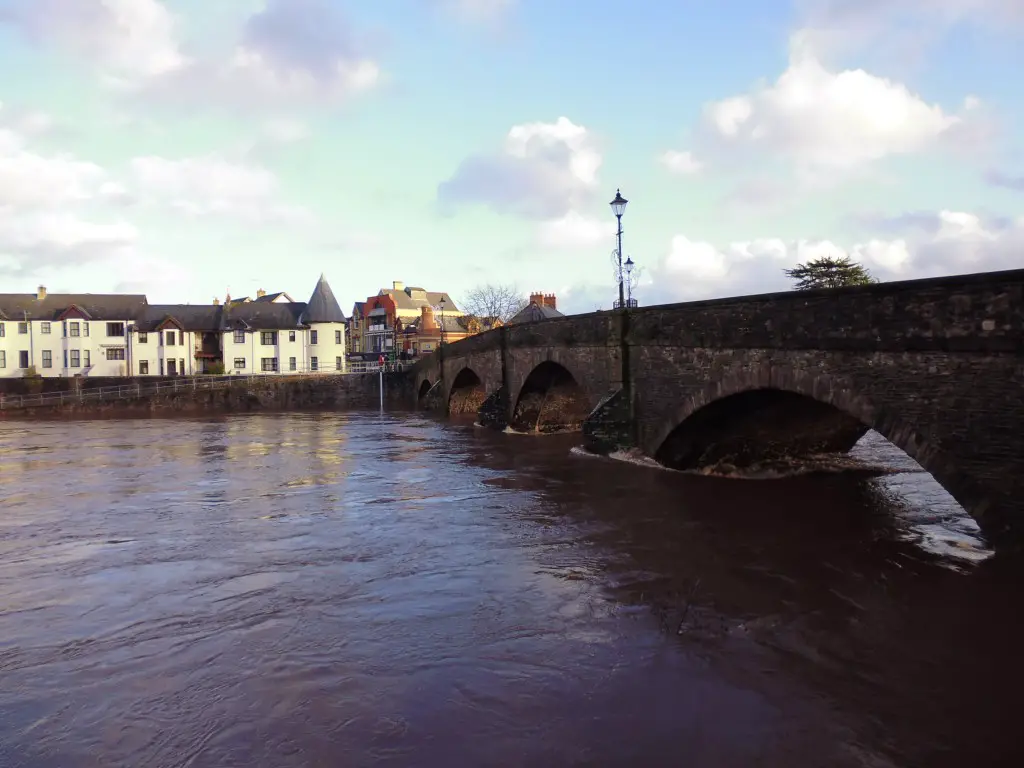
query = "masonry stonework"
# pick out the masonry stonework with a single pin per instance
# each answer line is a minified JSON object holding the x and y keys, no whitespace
{"x":936,"y":366}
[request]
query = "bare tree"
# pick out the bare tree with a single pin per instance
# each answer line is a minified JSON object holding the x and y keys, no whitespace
{"x":502,"y":301}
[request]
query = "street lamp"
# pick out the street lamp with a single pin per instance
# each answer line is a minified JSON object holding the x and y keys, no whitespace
{"x":629,"y":282}
{"x":618,"y":208}
{"x":442,"y":321}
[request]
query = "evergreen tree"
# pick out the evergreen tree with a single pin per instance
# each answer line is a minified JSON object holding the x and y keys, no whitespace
{"x":829,"y":272}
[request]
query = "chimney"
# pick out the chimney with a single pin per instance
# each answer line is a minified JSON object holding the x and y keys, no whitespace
{"x":216,"y":301}
{"x":398,"y":285}
{"x":551,"y":301}
{"x":41,"y":293}
{"x":260,"y":293}
{"x":537,"y":298}
{"x":427,"y":323}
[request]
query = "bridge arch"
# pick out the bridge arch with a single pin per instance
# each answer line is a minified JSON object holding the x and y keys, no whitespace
{"x":424,"y":388}
{"x":550,"y":400}
{"x":466,"y":393}
{"x":823,"y":402}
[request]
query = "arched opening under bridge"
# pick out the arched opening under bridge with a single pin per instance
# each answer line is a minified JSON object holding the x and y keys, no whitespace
{"x":551,"y":400}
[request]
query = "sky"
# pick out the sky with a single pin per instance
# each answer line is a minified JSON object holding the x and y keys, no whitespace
{"x":191,"y":148}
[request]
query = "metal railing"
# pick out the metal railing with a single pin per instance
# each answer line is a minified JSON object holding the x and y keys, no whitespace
{"x":181,"y":384}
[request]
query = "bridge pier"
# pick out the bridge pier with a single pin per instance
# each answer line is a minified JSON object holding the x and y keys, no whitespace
{"x":610,"y":426}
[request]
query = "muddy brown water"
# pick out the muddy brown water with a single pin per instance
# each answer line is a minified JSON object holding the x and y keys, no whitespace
{"x":367,"y":590}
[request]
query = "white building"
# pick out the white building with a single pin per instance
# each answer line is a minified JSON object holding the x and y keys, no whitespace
{"x":66,"y":334}
{"x":117,"y":335}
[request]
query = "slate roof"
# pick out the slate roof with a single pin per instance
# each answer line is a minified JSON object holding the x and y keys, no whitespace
{"x":322,"y":307}
{"x":260,"y":315}
{"x":270,"y":297}
{"x":533,"y":312}
{"x":254,"y":315}
{"x":98,"y":306}
{"x":193,"y":317}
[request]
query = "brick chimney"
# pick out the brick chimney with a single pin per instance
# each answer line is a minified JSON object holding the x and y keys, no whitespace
{"x":427,"y":323}
{"x":260,"y":293}
{"x":544,"y":300}
{"x":41,"y":293}
{"x":398,"y":285}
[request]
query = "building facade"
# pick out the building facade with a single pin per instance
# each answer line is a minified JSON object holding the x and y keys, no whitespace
{"x":388,"y":314}
{"x":117,"y":335}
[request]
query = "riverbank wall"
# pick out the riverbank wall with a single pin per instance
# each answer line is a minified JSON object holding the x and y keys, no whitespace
{"x":355,"y":391}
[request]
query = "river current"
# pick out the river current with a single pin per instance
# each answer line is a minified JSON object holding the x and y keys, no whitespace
{"x":393,"y":590}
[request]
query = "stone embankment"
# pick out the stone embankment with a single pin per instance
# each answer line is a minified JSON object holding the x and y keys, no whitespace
{"x":355,"y":391}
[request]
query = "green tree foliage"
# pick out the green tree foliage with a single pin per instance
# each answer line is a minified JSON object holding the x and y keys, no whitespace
{"x":829,"y":272}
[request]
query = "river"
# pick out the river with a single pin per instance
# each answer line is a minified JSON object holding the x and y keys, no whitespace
{"x":393,"y":590}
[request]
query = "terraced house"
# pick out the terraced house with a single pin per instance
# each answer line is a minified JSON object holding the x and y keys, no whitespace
{"x":119,"y":335}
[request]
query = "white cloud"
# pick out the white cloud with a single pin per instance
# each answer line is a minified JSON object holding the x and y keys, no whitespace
{"x":29,"y":179}
{"x":921,"y":245}
{"x":213,"y":186}
{"x":825,"y":123}
{"x":128,"y":38}
{"x":547,"y":172}
{"x":291,"y":52}
{"x":682,"y":163}
{"x":947,"y":242}
{"x":543,"y":171}
{"x":575,"y":231}
{"x":839,"y":27}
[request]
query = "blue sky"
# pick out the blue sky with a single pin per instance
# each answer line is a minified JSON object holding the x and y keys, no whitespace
{"x":186,"y":149}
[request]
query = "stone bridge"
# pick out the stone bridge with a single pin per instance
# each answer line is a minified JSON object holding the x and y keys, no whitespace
{"x":936,"y":366}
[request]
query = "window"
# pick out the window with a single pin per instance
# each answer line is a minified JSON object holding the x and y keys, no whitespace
{"x":115,"y":329}
{"x":292,"y":365}
{"x":171,"y":368}
{"x":337,"y":363}
{"x":47,"y":359}
{"x":268,"y":339}
{"x":291,"y":335}
{"x":312,"y":337}
{"x":181,"y":338}
{"x":144,"y":367}
{"x":23,"y":328}
{"x":240,"y":338}
{"x":85,"y":329}
{"x":239,"y":363}
{"x":115,"y":353}
{"x":3,"y":359}
{"x":143,"y":337}
{"x":337,"y":337}
{"x":3,"y":331}
{"x":74,"y":329}
{"x":23,"y":359}
{"x":44,"y":328}
{"x":169,"y":338}
{"x":313,"y":363}
{"x":268,"y":364}
{"x":76,"y":361}
{"x":86,"y":358}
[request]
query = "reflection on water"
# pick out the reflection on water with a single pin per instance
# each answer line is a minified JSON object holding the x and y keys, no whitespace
{"x":325,"y":590}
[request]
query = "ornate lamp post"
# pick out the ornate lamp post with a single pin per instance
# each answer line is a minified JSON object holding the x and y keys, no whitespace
{"x":442,"y":321}
{"x":618,"y":208}
{"x":629,"y":283}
